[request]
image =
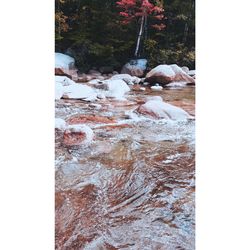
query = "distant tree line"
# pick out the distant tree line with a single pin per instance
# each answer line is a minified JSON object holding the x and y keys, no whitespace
{"x":93,"y":32}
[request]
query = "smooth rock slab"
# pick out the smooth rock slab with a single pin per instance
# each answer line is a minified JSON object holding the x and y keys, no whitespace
{"x":158,"y":109}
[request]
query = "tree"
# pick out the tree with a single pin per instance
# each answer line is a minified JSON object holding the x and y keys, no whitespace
{"x":139,"y":11}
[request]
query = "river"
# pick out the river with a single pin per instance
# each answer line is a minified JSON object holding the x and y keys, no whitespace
{"x":133,"y":187}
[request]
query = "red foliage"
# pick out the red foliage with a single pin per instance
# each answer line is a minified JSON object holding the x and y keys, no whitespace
{"x":132,"y":9}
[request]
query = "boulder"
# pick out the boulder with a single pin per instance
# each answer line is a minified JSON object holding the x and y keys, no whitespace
{"x":127,"y":78}
{"x":60,"y":83}
{"x":65,"y":65}
{"x":164,"y":74}
{"x":116,"y":89}
{"x":76,"y":135}
{"x":180,"y":75}
{"x":135,"y":67}
{"x":157,"y":109}
{"x":79,"y":91}
{"x":63,"y":61}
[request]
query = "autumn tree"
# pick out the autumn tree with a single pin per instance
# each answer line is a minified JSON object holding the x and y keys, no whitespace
{"x":139,"y":11}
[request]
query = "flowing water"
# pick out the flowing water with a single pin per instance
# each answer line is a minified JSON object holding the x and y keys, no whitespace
{"x":133,"y":187}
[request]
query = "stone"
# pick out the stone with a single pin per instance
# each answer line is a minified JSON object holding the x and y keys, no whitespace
{"x":157,"y":109}
{"x":60,"y":72}
{"x":65,"y":66}
{"x":180,"y":75}
{"x":135,"y":67}
{"x":79,"y":91}
{"x":164,"y":74}
{"x":63,"y":61}
{"x":116,"y":89}
{"x":127,"y":78}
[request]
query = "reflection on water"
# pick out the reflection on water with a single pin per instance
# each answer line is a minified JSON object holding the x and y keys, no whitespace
{"x":133,"y":187}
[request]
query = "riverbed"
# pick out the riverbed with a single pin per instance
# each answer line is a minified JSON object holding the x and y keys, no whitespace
{"x":133,"y":186}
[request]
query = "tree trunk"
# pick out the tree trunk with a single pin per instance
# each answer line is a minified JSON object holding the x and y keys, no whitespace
{"x":139,"y":37}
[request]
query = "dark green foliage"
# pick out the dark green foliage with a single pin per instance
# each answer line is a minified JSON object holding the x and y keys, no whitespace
{"x":91,"y":32}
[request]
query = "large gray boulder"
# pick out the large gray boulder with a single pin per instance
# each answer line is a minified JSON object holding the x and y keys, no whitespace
{"x":135,"y":67}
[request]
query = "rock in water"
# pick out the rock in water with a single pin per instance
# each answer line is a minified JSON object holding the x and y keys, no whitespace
{"x":127,"y":78}
{"x":135,"y":67}
{"x":180,"y":75}
{"x":63,"y":61}
{"x":116,"y":89}
{"x":164,"y":74}
{"x":158,"y":109}
{"x":76,"y":135}
{"x":79,"y":91}
{"x":65,"y":65}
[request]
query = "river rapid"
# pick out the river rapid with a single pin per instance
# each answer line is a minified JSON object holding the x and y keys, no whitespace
{"x":133,"y":187}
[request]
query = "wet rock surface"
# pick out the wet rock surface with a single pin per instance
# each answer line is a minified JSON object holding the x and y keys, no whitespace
{"x":133,"y":186}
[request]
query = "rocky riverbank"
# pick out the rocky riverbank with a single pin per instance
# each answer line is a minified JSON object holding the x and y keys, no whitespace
{"x":125,"y":160}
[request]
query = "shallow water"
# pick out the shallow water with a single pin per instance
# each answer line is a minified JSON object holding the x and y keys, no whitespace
{"x":134,"y":186}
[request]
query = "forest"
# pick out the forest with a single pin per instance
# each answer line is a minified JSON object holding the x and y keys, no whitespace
{"x":95,"y":33}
